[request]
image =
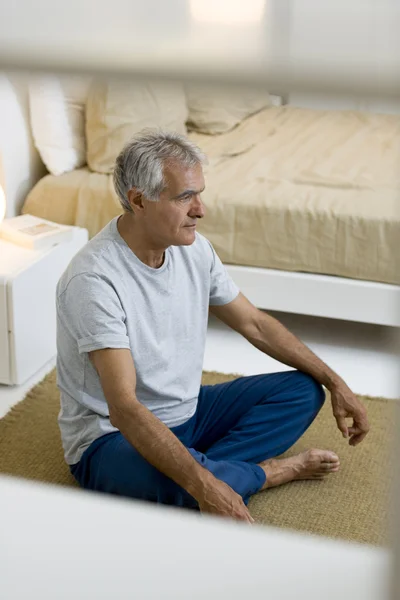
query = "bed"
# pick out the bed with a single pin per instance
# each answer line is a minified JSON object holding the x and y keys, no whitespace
{"x":303,"y":206}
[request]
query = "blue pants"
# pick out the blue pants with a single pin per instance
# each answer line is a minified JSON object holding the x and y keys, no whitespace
{"x":236,"y":425}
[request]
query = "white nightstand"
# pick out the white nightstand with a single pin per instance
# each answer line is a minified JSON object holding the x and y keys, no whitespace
{"x":28,"y":280}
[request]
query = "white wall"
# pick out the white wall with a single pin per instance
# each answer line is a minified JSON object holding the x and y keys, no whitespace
{"x":21,"y":162}
{"x":339,"y":102}
{"x":357,"y":41}
{"x":345,"y":44}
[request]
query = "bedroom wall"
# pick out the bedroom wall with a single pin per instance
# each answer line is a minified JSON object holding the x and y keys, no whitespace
{"x":21,"y":162}
{"x":341,"y":39}
{"x":331,"y":102}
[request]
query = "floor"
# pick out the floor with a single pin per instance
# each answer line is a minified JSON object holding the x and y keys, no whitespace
{"x":366,"y":356}
{"x":12,"y":394}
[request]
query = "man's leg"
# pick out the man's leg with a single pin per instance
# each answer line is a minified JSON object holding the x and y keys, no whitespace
{"x":255,"y":418}
{"x":112,"y":465}
{"x":236,"y":426}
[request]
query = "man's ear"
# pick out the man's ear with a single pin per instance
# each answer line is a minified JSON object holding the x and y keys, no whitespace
{"x":135,"y":199}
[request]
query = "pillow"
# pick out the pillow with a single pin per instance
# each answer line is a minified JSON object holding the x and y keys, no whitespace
{"x":118,"y":110}
{"x":214,"y":109}
{"x":57,"y":111}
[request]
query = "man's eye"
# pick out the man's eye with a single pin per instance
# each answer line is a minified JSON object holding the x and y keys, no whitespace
{"x":187,"y":198}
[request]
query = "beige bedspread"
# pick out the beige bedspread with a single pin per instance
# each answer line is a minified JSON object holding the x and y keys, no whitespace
{"x":292,"y":189}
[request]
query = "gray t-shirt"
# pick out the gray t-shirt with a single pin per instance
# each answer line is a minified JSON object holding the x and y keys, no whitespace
{"x":108,"y":298}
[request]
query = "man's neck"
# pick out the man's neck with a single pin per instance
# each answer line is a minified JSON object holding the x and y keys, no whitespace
{"x":146,"y":252}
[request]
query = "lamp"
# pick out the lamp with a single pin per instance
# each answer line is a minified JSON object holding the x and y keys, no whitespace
{"x":2,"y":194}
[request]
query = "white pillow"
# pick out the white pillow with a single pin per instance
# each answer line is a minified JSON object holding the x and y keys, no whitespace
{"x":57,"y":110}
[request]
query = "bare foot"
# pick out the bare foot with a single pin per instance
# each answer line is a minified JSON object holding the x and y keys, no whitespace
{"x":311,"y":464}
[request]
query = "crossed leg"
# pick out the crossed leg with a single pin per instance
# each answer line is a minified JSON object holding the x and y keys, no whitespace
{"x":239,"y":429}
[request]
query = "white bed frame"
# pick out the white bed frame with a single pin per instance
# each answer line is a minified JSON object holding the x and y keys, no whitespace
{"x":319,"y":295}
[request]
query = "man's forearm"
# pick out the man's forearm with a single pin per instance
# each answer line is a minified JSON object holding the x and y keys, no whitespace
{"x":161,"y":448}
{"x":272,"y":338}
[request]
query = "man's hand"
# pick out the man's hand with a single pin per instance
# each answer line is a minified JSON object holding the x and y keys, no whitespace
{"x":220,"y":499}
{"x":345,"y":404}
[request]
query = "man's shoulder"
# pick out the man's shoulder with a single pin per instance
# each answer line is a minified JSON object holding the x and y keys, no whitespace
{"x":95,"y":260}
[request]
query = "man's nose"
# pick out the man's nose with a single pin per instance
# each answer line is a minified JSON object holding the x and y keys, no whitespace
{"x":197,"y":209}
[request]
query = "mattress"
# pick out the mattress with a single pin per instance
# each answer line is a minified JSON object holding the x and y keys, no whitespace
{"x":289,"y":188}
{"x":80,"y":197}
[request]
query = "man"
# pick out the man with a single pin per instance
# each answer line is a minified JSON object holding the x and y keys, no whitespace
{"x":132,"y":319}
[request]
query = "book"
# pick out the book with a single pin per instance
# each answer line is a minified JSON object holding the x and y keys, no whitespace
{"x":33,"y":232}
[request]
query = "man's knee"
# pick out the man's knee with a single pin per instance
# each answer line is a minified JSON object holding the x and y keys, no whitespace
{"x":313,"y":391}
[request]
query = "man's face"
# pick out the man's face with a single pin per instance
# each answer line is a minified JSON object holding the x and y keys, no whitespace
{"x":172,"y":220}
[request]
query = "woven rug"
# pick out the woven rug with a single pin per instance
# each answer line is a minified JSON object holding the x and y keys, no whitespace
{"x":352,"y":504}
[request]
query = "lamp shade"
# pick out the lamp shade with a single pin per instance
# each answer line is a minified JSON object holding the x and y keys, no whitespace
{"x":2,"y":204}
{"x":2,"y":193}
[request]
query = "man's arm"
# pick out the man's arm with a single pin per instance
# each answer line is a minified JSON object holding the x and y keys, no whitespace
{"x":271,"y":337}
{"x":155,"y":441}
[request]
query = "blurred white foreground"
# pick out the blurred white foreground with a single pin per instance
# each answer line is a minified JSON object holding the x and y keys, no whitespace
{"x":59,"y":543}
{"x":308,"y":45}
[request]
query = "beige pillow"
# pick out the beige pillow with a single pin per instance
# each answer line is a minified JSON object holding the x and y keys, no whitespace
{"x":215,"y":109}
{"x":118,"y":110}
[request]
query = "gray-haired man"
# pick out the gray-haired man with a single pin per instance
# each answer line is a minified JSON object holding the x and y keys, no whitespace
{"x":132,"y":319}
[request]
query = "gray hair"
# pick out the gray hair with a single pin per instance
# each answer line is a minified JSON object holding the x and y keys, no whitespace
{"x":140,"y":164}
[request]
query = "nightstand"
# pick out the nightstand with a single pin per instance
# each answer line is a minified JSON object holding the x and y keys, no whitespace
{"x":28,"y":280}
